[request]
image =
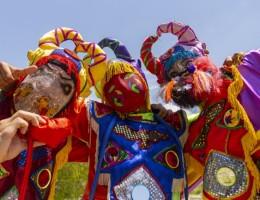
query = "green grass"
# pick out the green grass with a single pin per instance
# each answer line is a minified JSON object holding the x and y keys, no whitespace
{"x":72,"y":179}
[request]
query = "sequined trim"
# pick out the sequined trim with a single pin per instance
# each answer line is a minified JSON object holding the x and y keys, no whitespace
{"x":144,"y":137}
{"x":38,"y":153}
{"x":211,"y":113}
{"x":114,"y":154}
{"x":225,"y":177}
{"x":35,"y":179}
{"x":139,"y":176}
{"x":3,"y":172}
{"x":12,"y":193}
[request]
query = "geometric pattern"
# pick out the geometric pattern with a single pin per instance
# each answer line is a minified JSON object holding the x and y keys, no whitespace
{"x":139,"y":176}
{"x":41,"y":179}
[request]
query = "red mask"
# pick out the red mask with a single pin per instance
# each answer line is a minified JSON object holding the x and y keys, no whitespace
{"x":126,"y":92}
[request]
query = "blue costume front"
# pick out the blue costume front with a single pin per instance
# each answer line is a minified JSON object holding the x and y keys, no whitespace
{"x":142,"y":152}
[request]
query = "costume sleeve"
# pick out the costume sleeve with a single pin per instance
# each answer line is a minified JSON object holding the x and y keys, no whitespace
{"x":178,"y":120}
{"x":54,"y":132}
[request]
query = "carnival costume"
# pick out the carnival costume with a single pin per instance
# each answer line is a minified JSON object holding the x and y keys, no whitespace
{"x":134,"y":149}
{"x":52,"y":91}
{"x":223,"y":142}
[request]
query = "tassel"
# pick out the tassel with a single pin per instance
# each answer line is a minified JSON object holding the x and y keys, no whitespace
{"x":249,"y":140}
{"x":168,"y":93}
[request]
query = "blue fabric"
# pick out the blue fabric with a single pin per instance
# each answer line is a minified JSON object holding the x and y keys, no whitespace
{"x":141,"y":157}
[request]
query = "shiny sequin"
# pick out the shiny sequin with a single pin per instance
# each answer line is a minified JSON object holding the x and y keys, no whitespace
{"x":3,"y":172}
{"x":11,"y":194}
{"x":211,"y":113}
{"x":225,"y":177}
{"x":144,"y":137}
{"x":140,"y":175}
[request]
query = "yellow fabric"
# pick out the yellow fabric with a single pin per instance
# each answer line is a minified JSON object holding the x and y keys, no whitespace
{"x":60,"y":160}
{"x":96,"y":71}
{"x":249,"y":140}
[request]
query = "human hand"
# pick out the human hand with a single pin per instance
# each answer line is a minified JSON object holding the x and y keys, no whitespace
{"x":10,"y":143}
{"x":236,"y":59}
{"x":160,"y":110}
{"x":9,"y":74}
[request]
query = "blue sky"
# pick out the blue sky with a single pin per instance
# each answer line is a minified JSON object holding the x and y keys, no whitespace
{"x":225,"y":26}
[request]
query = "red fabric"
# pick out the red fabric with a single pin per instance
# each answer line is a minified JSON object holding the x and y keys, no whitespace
{"x":218,"y":138}
{"x":54,"y":132}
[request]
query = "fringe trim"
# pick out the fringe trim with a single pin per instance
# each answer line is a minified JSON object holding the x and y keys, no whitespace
{"x":178,"y":185}
{"x":60,"y":161}
{"x":249,"y":140}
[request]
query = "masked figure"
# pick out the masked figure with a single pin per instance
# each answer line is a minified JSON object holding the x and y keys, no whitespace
{"x":223,"y":142}
{"x":52,"y":91}
{"x":136,"y":149}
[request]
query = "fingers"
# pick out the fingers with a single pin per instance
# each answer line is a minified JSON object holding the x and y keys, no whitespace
{"x":21,"y":124}
{"x":17,"y":73}
{"x":228,"y":61}
{"x":32,"y":118}
{"x":5,"y":74}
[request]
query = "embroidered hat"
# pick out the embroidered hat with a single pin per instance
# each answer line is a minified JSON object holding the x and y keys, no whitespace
{"x":188,"y":46}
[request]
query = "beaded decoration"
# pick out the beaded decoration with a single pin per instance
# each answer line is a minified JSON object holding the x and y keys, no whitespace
{"x":225,"y":177}
{"x":211,"y":113}
{"x":144,"y":137}
{"x":140,"y":175}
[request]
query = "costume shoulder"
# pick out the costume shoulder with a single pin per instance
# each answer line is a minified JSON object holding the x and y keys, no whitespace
{"x":98,"y":110}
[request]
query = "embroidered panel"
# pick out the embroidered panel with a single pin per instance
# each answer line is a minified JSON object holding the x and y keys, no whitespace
{"x":211,"y":113}
{"x":145,"y":137}
{"x":170,"y":158}
{"x":114,"y":154}
{"x":225,"y":177}
{"x":124,"y":190}
{"x":41,"y":179}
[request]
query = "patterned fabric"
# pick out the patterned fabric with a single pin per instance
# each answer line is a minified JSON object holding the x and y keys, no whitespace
{"x":225,"y":176}
{"x":139,"y":153}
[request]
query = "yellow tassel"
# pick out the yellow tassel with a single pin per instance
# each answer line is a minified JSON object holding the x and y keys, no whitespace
{"x":60,"y":160}
{"x":249,"y":140}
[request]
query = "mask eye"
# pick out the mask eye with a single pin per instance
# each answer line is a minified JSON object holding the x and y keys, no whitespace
{"x":66,"y":88}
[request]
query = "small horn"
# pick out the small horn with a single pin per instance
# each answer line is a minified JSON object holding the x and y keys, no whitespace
{"x":118,"y":47}
{"x":54,"y":38}
{"x":185,"y":33}
{"x":152,"y":63}
{"x":97,"y":69}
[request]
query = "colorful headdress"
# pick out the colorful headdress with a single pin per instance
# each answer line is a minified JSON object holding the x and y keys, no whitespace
{"x":188,"y":46}
{"x":49,"y":47}
{"x":123,"y":66}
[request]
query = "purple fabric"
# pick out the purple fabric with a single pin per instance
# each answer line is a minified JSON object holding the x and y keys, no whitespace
{"x":250,"y":95}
